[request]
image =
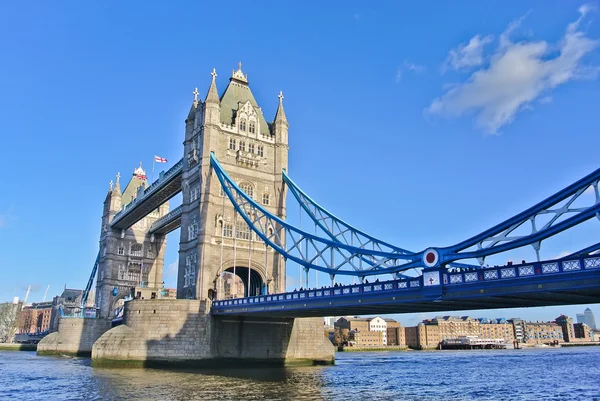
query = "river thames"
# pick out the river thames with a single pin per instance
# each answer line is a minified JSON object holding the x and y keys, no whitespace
{"x":535,"y":374}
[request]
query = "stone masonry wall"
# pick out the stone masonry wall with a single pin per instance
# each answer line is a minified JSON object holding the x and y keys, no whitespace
{"x":183,"y":332}
{"x":74,"y":337}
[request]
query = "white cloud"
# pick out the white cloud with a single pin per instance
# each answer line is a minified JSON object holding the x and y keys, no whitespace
{"x":398,"y":75}
{"x":171,"y":270}
{"x":408,"y":66}
{"x":467,"y":55}
{"x":516,"y":75}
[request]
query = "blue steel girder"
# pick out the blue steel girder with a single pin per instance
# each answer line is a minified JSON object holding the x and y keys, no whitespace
{"x":340,"y":231}
{"x":379,"y":259}
{"x":164,"y":188}
{"x":306,"y":249}
{"x":167,"y":223}
{"x":500,"y":239}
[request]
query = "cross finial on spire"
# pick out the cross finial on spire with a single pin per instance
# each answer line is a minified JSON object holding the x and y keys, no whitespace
{"x":110,"y":185}
{"x":280,"y":96}
{"x":195,"y":93}
{"x":118,"y":177}
{"x":214,"y":73}
{"x":239,"y":65}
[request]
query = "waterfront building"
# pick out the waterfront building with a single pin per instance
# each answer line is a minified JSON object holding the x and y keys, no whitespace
{"x":497,"y":328}
{"x":518,"y":326}
{"x":543,"y":333}
{"x":395,"y":333}
{"x":452,"y":326}
{"x":370,"y":331}
{"x":422,"y":336}
{"x":582,"y":332}
{"x":588,"y":318}
{"x":566,"y":323}
{"x":35,"y":318}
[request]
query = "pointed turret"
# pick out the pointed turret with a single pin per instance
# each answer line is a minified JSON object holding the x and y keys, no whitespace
{"x":192,"y":114}
{"x":280,"y":124}
{"x":213,"y":95}
{"x":117,"y":187}
{"x":280,"y":114}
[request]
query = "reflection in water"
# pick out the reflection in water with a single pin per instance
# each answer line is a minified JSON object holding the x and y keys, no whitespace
{"x":543,"y":374}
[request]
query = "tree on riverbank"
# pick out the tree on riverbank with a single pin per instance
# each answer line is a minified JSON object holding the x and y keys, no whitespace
{"x":8,"y":320}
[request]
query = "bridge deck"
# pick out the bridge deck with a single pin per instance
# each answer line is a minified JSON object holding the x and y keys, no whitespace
{"x":539,"y":284}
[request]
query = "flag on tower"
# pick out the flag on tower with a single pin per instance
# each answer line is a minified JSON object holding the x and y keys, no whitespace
{"x":159,"y":159}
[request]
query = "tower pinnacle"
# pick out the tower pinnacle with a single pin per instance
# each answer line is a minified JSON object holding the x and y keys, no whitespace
{"x":117,"y":187}
{"x":280,"y":115}
{"x":239,"y":75}
{"x":195,"y":93}
{"x":212,"y":96}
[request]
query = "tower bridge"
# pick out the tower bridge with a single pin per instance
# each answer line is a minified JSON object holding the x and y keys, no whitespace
{"x":234,"y":183}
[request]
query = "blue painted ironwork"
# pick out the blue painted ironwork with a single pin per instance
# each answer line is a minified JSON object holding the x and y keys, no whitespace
{"x":306,"y":249}
{"x":549,"y":271}
{"x":88,"y":287}
{"x":357,"y":249}
{"x":498,"y":238}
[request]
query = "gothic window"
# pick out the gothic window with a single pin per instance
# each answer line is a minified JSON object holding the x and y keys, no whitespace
{"x":189,"y":276}
{"x":260,"y":151}
{"x":242,"y":231}
{"x":228,"y":230}
{"x":121,"y":250}
{"x":122,"y":272}
{"x":265,"y":199}
{"x":232,"y":143}
{"x":252,"y":127}
{"x":193,"y":229}
{"x":150,"y":253}
{"x":135,"y":250}
{"x":243,"y":124}
{"x":242,"y":146}
{"x":251,"y":147}
{"x":248,"y":189}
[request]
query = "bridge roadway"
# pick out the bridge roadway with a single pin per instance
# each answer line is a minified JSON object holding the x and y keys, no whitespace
{"x":555,"y":282}
{"x":164,"y":188}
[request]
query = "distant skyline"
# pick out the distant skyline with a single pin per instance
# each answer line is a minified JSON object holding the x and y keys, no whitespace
{"x":421,"y":124}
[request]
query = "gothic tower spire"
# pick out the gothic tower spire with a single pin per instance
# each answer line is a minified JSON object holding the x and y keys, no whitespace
{"x":212,"y":96}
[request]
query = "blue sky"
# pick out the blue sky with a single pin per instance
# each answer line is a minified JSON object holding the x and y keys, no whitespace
{"x":421,"y":124}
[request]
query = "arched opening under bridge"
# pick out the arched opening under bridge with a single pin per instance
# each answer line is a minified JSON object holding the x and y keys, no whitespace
{"x":256,"y":286}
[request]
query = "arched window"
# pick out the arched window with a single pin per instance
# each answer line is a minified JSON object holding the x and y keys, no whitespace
{"x":260,"y":151}
{"x":248,"y":189}
{"x":265,"y":199}
{"x":242,"y":231}
{"x":252,"y":127}
{"x":243,"y":124}
{"x":136,"y":250}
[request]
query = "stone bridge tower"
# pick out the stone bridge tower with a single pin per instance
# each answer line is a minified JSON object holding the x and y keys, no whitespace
{"x":253,"y":152}
{"x":128,"y":258}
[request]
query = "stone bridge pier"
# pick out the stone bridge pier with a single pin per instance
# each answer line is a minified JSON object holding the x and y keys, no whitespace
{"x":183,"y":333}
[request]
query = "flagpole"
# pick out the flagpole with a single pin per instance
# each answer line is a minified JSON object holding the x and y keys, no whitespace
{"x":152,"y":176}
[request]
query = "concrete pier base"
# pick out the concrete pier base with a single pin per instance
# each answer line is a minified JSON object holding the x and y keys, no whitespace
{"x":183,"y":333}
{"x":74,"y":337}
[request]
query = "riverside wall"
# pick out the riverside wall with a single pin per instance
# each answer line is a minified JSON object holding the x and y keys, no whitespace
{"x":183,"y":333}
{"x":74,"y":337}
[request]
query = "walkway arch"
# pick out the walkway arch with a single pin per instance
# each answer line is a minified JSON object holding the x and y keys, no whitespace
{"x":256,"y":280}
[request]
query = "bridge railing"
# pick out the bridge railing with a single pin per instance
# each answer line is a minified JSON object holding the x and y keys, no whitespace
{"x":163,"y":176}
{"x":416,"y":283}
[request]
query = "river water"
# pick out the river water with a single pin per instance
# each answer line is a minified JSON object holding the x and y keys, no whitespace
{"x":535,"y":374}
